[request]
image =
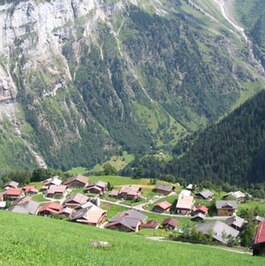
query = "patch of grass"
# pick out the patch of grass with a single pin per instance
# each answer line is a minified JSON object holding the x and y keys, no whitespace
{"x":28,"y":242}
{"x":39,"y":197}
{"x":77,"y":170}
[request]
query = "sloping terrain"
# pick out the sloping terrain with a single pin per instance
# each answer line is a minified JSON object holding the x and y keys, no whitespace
{"x":32,"y":240}
{"x":80,"y":80}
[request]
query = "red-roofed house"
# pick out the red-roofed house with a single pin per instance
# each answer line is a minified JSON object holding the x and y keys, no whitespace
{"x":259,"y":241}
{"x":162,"y":206}
{"x":170,"y":224}
{"x":153,"y":224}
{"x":201,"y":209}
{"x":13,"y":194}
{"x":50,"y":208}
{"x":30,"y":190}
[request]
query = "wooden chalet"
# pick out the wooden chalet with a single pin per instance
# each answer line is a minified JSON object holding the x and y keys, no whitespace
{"x":163,"y":189}
{"x":162,"y":207}
{"x":78,"y":181}
{"x":170,"y":224}
{"x":226,"y":207}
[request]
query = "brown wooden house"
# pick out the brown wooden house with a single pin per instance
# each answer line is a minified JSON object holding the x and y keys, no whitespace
{"x":163,"y":189}
{"x":226,"y":207}
{"x":78,"y":181}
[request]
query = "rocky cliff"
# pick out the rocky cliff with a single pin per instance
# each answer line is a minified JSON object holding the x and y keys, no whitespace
{"x":82,"y":79}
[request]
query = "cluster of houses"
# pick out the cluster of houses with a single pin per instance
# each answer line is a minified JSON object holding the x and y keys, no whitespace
{"x":82,"y":208}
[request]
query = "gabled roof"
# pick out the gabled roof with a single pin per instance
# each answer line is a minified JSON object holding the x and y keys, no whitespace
{"x":151,"y":224}
{"x":164,"y":205}
{"x":23,"y":200}
{"x":56,"y":189}
{"x":235,"y":220}
{"x":164,"y":187}
{"x":13,"y":184}
{"x":198,"y":215}
{"x":185,"y":202}
{"x":236,"y":194}
{"x":30,"y":207}
{"x":13,"y":192}
{"x":170,"y":221}
{"x":114,"y":193}
{"x":79,"y":178}
{"x":218,"y":230}
{"x":130,"y":190}
{"x":66,"y":210}
{"x":90,"y":215}
{"x":51,"y":207}
{"x":129,"y":219}
{"x":53,"y":181}
{"x":99,"y":183}
{"x":260,"y":234}
{"x":28,"y":189}
{"x":220,"y":204}
{"x":77,"y":198}
{"x":205,"y":194}
{"x":185,"y":192}
{"x":202,"y":208}
{"x":85,"y":205}
{"x":190,"y":186}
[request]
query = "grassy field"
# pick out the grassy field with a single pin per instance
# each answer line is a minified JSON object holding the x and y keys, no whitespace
{"x":32,"y":240}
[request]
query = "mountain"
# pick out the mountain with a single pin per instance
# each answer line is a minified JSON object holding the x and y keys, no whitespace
{"x":231,"y":151}
{"x":83,"y":79}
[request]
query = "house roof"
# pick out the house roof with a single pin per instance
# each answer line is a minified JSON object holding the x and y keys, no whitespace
{"x":220,"y":204}
{"x":30,"y":207}
{"x":170,"y":221}
{"x":235,"y":220}
{"x":164,"y":205}
{"x":202,"y":209}
{"x":198,"y":215}
{"x":259,"y":219}
{"x":236,"y":194}
{"x":30,"y":189}
{"x":130,"y":190}
{"x":185,"y":192}
{"x":185,"y":202}
{"x":13,"y":192}
{"x":260,"y":234}
{"x":56,"y":189}
{"x":114,"y":193}
{"x":79,"y":178}
{"x":66,"y":210}
{"x":205,"y":194}
{"x":218,"y":230}
{"x":99,"y":183}
{"x":23,"y":200}
{"x":77,"y":198}
{"x":53,"y":181}
{"x":84,"y":205}
{"x":164,"y":187}
{"x":51,"y":207}
{"x":190,"y":186}
{"x":151,"y":224}
{"x":91,"y":214}
{"x":129,"y":218}
{"x":13,"y":184}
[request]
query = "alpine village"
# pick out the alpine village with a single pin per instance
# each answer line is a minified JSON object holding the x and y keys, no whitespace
{"x":132,"y":132}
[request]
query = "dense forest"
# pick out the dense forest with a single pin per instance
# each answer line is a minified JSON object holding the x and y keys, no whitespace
{"x":231,"y":151}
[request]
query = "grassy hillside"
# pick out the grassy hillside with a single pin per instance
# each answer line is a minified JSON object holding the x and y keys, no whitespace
{"x":32,"y":240}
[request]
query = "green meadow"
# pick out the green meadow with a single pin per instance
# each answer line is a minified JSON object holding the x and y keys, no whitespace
{"x":33,"y":240}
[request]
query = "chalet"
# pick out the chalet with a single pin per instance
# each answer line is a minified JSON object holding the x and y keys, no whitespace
{"x":56,"y":191}
{"x":78,"y":181}
{"x":206,"y":194}
{"x":13,"y":194}
{"x":30,"y":190}
{"x":201,"y":209}
{"x":218,"y":230}
{"x":235,"y":222}
{"x":49,"y":208}
{"x":170,"y":224}
{"x":11,"y":184}
{"x":184,"y":204}
{"x":162,"y":206}
{"x":190,"y":187}
{"x":75,"y":200}
{"x":54,"y":181}
{"x":259,"y":241}
{"x":22,"y":200}
{"x":238,"y":195}
{"x":258,"y":219}
{"x":153,"y":224}
{"x":163,"y":189}
{"x":92,"y":215}
{"x":98,"y":187}
{"x":226,"y":207}
{"x":198,"y":217}
{"x":66,"y":212}
{"x":127,"y":221}
{"x":130,"y":192}
{"x":27,"y":207}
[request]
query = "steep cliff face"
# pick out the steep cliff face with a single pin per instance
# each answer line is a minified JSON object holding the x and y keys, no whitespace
{"x":82,"y":79}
